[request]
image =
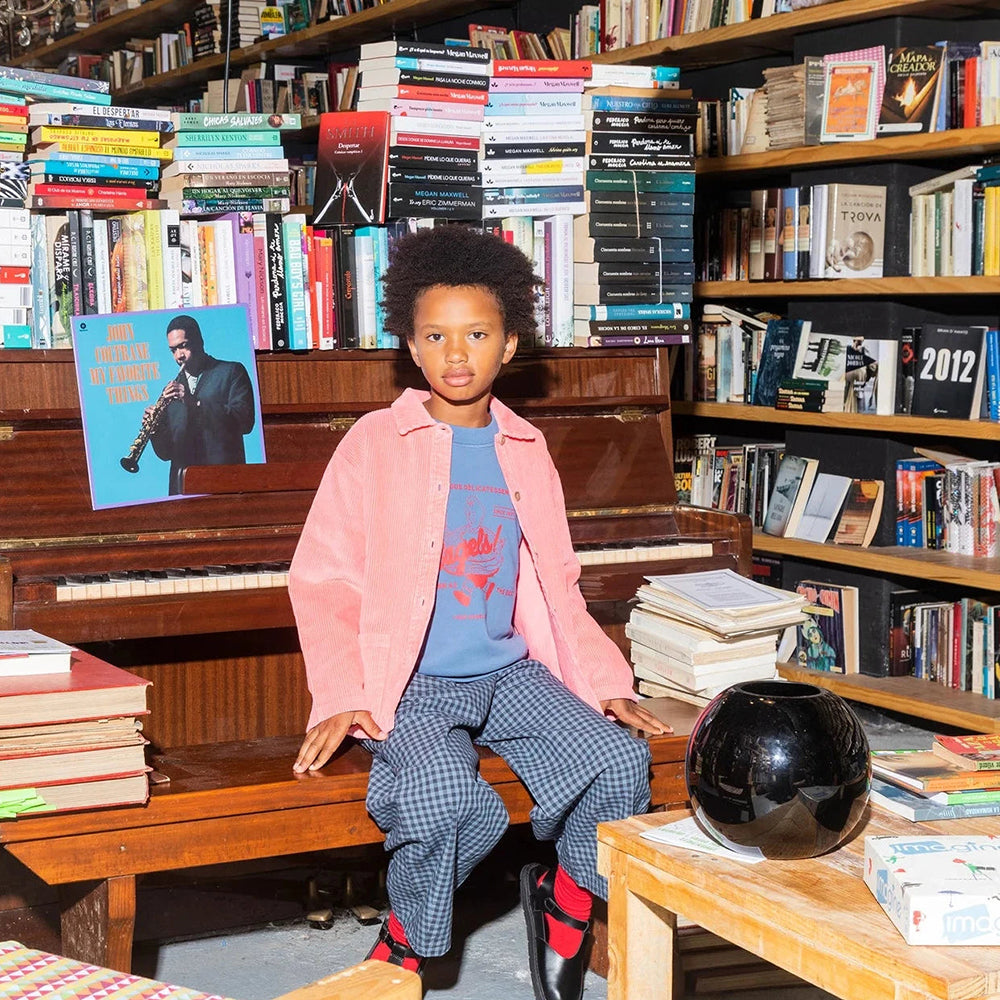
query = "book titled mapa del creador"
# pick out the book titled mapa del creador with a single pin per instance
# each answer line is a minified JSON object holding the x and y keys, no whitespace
{"x":911,"y":83}
{"x":352,"y":158}
{"x":181,"y":381}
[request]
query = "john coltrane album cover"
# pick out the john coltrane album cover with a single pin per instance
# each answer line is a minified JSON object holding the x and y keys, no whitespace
{"x":163,"y":390}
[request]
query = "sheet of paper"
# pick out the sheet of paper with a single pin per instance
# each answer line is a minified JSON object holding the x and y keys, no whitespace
{"x":686,"y":833}
{"x":720,"y":588}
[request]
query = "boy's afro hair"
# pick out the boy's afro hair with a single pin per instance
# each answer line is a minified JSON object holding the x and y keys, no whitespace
{"x":458,"y":255}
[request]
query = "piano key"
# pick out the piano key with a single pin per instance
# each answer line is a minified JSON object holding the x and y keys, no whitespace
{"x":176,"y":581}
{"x":219,"y":578}
{"x":71,"y":588}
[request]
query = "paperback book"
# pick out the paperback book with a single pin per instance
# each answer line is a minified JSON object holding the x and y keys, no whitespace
{"x":351,"y":168}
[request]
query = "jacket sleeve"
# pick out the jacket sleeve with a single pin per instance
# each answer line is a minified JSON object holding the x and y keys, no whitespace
{"x":598,"y":658}
{"x":324,"y":585}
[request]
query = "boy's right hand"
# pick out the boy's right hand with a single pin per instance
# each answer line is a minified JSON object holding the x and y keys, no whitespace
{"x":322,"y":740}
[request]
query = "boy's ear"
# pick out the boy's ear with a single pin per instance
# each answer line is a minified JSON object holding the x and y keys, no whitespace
{"x":509,"y":347}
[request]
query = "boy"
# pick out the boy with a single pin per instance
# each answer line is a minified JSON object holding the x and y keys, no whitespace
{"x":435,"y":593}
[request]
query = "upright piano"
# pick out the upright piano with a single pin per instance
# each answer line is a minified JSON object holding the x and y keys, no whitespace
{"x":224,"y":662}
{"x":159,"y":598}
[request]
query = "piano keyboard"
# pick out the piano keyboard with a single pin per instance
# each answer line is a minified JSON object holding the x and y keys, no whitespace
{"x":157,"y":583}
{"x":210,"y":579}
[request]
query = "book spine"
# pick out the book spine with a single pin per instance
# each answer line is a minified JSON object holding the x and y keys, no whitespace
{"x":280,"y":325}
{"x":41,"y":337}
{"x":291,"y":236}
{"x":172,"y":261}
{"x":89,"y":261}
{"x":75,"y":263}
{"x":153,"y":235}
{"x":237,"y":137}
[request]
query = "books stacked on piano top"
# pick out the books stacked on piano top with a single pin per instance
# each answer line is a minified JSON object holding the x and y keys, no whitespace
{"x":25,"y":652}
{"x":435,"y":96}
{"x":72,"y":739}
{"x":634,"y":247}
{"x":78,"y":153}
{"x":695,"y":634}
{"x":533,"y":151}
{"x":231,"y":162}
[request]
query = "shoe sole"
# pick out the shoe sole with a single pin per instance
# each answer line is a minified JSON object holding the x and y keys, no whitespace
{"x":527,"y":873}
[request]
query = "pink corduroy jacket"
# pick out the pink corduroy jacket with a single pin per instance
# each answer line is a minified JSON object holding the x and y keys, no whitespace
{"x":365,"y":572}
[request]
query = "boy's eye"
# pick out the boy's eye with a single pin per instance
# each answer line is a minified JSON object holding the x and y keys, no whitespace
{"x":478,"y":334}
{"x":434,"y":337}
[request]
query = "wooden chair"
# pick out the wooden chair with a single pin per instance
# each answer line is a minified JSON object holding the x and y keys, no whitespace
{"x":28,"y":972}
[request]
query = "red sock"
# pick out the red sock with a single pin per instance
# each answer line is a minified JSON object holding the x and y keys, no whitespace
{"x":381,"y":952}
{"x":574,"y":902}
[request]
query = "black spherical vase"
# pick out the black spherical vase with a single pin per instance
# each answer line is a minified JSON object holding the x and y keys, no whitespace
{"x":778,"y":768}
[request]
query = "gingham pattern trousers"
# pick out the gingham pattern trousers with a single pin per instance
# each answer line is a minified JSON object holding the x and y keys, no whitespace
{"x":441,"y":818}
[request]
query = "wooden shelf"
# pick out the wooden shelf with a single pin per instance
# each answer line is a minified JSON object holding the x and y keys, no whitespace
{"x":319,"y":40}
{"x":918,"y":564}
{"x":971,"y":142}
{"x":908,"y":695}
{"x":853,"y":287}
{"x":980,"y":430}
{"x":774,"y":35}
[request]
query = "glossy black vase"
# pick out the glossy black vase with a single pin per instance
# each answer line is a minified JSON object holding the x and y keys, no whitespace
{"x":780,"y":768}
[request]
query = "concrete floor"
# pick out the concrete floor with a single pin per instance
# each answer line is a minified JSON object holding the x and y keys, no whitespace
{"x":249,"y":939}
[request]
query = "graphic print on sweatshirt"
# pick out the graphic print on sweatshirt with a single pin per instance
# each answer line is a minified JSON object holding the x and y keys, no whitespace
{"x":471,"y":631}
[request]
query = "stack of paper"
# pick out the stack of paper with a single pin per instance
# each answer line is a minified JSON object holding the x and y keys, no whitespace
{"x":696,"y":634}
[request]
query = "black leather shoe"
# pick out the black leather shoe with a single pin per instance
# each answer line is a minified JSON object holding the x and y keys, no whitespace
{"x":552,"y":976}
{"x":397,"y":952}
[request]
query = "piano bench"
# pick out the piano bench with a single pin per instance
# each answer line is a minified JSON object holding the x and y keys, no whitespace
{"x":239,"y":801}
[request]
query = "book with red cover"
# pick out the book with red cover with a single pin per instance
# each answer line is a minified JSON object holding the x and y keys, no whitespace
{"x":59,"y":765}
{"x":975,"y":752}
{"x":575,"y":68}
{"x":92,"y":689}
{"x":352,"y":160}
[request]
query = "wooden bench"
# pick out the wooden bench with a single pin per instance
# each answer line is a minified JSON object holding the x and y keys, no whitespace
{"x":238,"y":801}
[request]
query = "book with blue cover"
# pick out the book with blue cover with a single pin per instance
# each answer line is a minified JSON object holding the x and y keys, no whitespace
{"x":777,"y":361}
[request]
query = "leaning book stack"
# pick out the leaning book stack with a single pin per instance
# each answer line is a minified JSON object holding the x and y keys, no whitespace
{"x":435,"y":96}
{"x":634,"y":247}
{"x":72,"y":739}
{"x":696,"y":634}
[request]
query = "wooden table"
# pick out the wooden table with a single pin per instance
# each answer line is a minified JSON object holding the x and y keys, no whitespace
{"x":816,"y":918}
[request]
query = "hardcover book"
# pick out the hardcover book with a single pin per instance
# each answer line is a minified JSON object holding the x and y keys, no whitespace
{"x":912,"y":78}
{"x":949,"y":371}
{"x":351,"y":168}
{"x":133,"y":394}
{"x":927,"y":772}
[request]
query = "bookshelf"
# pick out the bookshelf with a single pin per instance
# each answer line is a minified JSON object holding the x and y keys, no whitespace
{"x":775,"y":37}
{"x":372,"y":24}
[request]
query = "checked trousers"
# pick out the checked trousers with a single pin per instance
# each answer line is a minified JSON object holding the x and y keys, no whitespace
{"x":441,"y":818}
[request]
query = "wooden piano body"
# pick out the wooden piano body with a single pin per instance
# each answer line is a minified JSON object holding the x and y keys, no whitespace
{"x":225,"y":665}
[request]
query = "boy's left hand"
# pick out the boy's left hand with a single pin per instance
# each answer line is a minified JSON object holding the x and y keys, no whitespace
{"x":633,"y":714}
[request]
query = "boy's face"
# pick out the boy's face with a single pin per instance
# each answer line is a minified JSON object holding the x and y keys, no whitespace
{"x":460,"y":345}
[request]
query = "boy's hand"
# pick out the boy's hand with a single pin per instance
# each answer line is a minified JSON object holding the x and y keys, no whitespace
{"x":633,"y":714}
{"x":322,"y":740}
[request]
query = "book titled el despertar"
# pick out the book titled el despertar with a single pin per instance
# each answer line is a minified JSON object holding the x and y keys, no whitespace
{"x":161,"y":391}
{"x":912,"y":77}
{"x":24,"y":652}
{"x":352,"y":160}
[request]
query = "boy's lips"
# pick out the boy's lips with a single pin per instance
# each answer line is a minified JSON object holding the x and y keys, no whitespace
{"x":458,"y":377}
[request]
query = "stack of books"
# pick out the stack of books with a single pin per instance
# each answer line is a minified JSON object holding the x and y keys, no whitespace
{"x":634,"y":249}
{"x":533,"y":150}
{"x":70,"y":738}
{"x":696,"y":634}
{"x":227,"y":163}
{"x":435,"y":95}
{"x":958,"y":778}
{"x":785,"y":87}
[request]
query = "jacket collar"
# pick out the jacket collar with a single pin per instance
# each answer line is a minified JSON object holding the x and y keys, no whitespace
{"x":410,"y":414}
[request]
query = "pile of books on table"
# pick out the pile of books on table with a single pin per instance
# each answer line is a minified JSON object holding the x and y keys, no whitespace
{"x":958,"y":778}
{"x":696,"y":634}
{"x":70,"y":730}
